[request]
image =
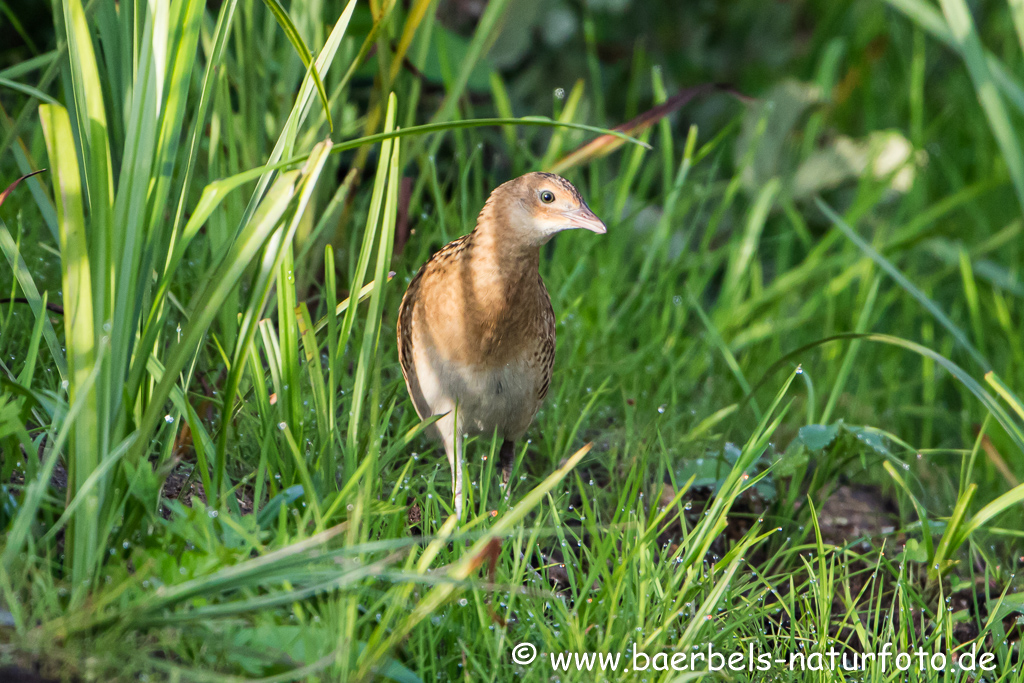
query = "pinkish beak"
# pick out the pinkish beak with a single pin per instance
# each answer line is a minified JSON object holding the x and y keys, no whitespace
{"x":584,"y":218}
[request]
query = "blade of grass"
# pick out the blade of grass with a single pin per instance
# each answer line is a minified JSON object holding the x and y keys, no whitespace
{"x":18,"y":534}
{"x":568,"y":113}
{"x":387,"y":178}
{"x":35,"y":301}
{"x":1014,"y":430}
{"x":272,"y":258}
{"x":81,"y":542}
{"x":483,"y":37}
{"x":966,"y":39}
{"x":1005,"y":392}
{"x":922,"y":515}
{"x":470,"y":562}
{"x":209,"y":297}
{"x":863,"y":320}
{"x":723,"y":348}
{"x":28,"y":90}
{"x":926,"y":16}
{"x":904,"y":282}
{"x":292,"y":33}
{"x":607,"y":143}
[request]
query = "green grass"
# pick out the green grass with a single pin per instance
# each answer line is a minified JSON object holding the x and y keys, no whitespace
{"x":768,"y":328}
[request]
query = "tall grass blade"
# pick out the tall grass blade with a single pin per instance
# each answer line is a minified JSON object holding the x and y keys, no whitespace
{"x":380,"y":233}
{"x":79,"y":339}
{"x":285,"y":22}
{"x":904,"y":282}
{"x":965,"y":37}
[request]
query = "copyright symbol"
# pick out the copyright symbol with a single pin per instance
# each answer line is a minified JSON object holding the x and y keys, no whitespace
{"x":524,"y":653}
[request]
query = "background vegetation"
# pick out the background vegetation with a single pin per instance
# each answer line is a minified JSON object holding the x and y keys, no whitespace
{"x":786,"y":405}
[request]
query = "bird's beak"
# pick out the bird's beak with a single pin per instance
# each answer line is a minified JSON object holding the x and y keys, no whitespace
{"x":584,"y":218}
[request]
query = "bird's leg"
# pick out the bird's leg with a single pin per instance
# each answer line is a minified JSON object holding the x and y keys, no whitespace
{"x":453,"y":449}
{"x":507,"y":459}
{"x":458,"y":476}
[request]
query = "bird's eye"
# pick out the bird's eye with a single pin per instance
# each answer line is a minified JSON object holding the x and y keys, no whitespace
{"x":547,"y":196}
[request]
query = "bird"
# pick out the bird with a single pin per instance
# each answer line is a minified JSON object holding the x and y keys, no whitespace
{"x":476,"y":330}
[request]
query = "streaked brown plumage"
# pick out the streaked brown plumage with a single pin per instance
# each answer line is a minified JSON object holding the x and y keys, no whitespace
{"x":476,"y":332}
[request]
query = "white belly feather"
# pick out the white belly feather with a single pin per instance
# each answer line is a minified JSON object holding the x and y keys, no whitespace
{"x":501,"y":398}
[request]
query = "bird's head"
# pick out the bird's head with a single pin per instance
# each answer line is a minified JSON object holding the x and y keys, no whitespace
{"x":538,"y":205}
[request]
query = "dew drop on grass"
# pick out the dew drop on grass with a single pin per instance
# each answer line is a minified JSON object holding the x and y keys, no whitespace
{"x":169,"y":419}
{"x":662,"y":408}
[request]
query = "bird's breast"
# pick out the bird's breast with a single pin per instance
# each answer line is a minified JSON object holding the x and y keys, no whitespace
{"x":485,"y":321}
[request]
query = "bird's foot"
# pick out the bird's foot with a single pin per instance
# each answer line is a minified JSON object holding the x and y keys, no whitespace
{"x":507,"y":460}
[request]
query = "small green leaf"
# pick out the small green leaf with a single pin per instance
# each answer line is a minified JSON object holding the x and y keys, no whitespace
{"x":268,"y":515}
{"x":873,"y":440}
{"x":915,"y":552}
{"x":791,"y":461}
{"x":819,"y":437}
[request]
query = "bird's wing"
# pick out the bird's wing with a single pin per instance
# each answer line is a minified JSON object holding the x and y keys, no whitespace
{"x":405,"y":322}
{"x":405,"y":358}
{"x":547,"y":341}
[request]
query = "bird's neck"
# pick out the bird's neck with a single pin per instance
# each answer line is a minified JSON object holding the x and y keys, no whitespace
{"x":495,"y":246}
{"x":504,"y":272}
